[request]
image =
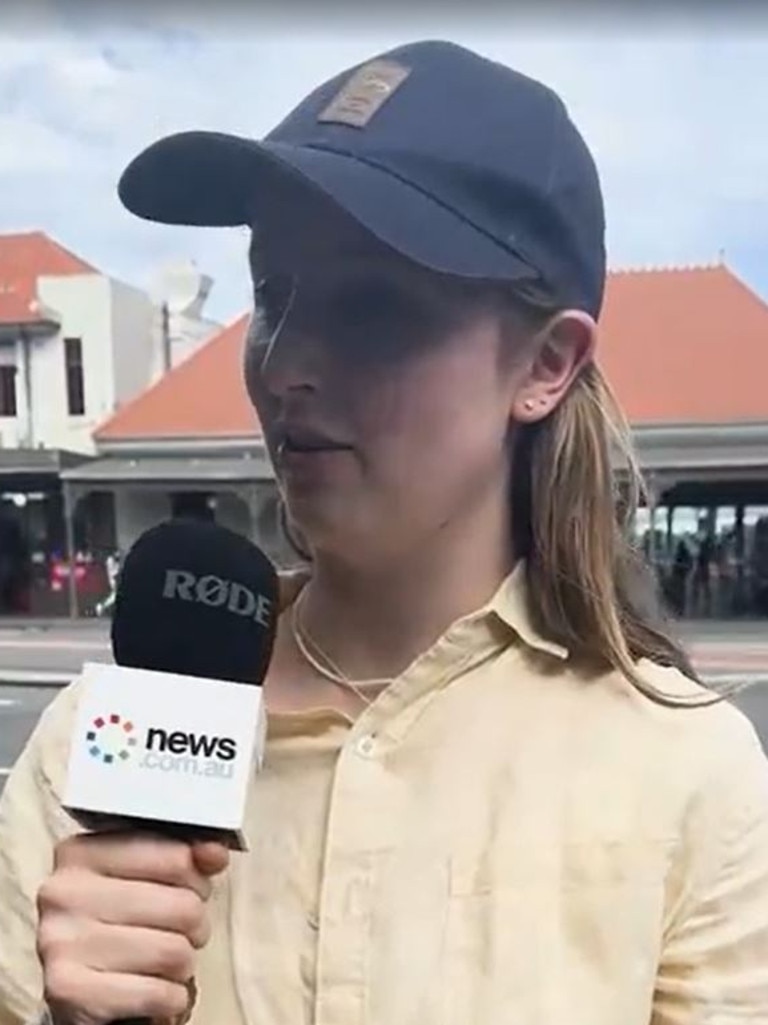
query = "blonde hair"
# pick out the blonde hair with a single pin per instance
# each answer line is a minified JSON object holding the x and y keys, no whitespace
{"x":577,"y":486}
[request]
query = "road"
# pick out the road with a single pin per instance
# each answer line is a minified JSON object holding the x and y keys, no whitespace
{"x":51,"y":654}
{"x":27,"y":656}
{"x":19,"y":710}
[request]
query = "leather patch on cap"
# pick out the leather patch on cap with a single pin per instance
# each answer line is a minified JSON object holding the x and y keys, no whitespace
{"x":364,"y":94}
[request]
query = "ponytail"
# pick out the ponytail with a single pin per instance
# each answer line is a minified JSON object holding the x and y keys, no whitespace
{"x":589,"y":588}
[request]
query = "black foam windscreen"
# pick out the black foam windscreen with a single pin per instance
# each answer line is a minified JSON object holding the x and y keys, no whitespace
{"x":196,"y":599}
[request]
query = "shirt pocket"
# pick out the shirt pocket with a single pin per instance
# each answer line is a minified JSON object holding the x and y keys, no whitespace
{"x":566,"y":936}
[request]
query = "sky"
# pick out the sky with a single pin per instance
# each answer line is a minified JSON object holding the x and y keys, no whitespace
{"x":672,"y":102}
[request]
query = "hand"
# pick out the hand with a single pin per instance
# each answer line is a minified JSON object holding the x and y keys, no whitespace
{"x":120,"y":919}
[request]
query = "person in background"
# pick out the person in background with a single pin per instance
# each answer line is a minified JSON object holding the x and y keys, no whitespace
{"x":112,"y":571}
{"x":702,"y":575}
{"x":15,"y":567}
{"x":494,"y":789}
{"x":680,"y":576}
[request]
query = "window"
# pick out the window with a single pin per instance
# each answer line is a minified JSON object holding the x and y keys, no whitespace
{"x":8,"y":406}
{"x":73,"y":362}
{"x":7,"y":390}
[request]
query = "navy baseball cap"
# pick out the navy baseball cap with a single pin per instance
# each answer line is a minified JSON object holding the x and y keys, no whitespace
{"x":457,"y":162}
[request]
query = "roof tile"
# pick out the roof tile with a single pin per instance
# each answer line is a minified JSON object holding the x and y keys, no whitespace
{"x":204,"y":396}
{"x":685,"y":346}
{"x":24,"y":258}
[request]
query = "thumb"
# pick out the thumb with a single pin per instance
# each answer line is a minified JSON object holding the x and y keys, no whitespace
{"x":210,"y":857}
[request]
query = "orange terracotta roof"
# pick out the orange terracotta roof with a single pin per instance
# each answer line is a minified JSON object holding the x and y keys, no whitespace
{"x":23,"y":259}
{"x":675,"y":345}
{"x":202,"y":397}
{"x":686,"y":346}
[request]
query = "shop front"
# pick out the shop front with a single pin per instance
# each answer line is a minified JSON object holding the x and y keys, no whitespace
{"x":705,"y":527}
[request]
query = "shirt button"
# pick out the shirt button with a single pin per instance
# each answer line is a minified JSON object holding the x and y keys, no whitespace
{"x":366,"y":746}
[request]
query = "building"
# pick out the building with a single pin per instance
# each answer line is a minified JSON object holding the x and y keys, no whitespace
{"x":685,"y":350}
{"x":75,"y":345}
{"x":190,"y":445}
{"x":687,"y":353}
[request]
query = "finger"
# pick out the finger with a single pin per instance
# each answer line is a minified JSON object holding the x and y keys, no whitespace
{"x":74,"y":895}
{"x":134,"y":856}
{"x":210,"y":858}
{"x":121,"y":948}
{"x":74,"y":992}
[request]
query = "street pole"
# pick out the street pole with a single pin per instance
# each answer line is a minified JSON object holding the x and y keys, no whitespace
{"x":165,"y":320}
{"x":69,"y":526}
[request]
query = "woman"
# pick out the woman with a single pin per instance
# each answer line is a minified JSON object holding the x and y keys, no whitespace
{"x":486,"y":798}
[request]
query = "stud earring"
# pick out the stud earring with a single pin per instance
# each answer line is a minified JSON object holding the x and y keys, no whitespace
{"x":529,"y":404}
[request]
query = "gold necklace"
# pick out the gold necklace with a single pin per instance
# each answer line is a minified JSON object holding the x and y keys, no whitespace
{"x":322,"y":662}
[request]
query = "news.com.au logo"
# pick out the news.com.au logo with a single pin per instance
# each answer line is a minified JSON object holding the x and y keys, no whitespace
{"x":113,"y":739}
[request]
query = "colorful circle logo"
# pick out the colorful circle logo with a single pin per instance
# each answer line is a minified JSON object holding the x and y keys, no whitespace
{"x":111,"y":739}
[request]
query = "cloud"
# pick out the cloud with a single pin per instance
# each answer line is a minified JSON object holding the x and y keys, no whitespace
{"x":674,"y":116}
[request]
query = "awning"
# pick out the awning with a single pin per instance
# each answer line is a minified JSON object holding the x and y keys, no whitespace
{"x":157,"y":471}
{"x":39,"y":461}
{"x":704,"y":449}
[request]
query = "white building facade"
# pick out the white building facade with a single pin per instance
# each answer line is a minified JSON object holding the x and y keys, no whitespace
{"x":94,"y":344}
{"x":76,"y":346}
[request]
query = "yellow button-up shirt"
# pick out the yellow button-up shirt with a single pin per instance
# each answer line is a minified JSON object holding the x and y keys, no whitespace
{"x":497,"y":840}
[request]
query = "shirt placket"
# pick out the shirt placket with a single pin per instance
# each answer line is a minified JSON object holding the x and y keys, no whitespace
{"x":362,"y":827}
{"x":360,"y":813}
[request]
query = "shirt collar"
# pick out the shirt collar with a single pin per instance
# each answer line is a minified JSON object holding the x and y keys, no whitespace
{"x":510,"y":604}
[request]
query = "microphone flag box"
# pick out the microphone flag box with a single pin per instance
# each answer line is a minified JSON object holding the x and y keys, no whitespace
{"x":162,"y":750}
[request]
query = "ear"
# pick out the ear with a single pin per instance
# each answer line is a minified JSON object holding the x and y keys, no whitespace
{"x":561,"y":349}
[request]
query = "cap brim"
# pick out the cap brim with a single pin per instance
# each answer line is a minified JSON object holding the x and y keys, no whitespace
{"x":216,"y":180}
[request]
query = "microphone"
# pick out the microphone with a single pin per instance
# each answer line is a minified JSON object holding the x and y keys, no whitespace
{"x":163,"y":739}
